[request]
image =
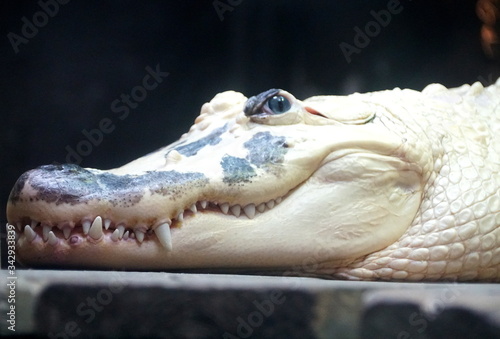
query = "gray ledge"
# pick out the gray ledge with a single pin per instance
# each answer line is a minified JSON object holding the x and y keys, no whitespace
{"x":88,"y":304}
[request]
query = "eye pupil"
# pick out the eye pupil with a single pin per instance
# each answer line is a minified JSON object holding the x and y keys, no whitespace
{"x":278,"y":104}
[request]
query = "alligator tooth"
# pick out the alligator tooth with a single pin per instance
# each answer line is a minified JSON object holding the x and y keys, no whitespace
{"x":115,"y":236}
{"x":19,"y":226}
{"x":52,"y":239}
{"x":107,"y":222}
{"x":180,"y":217}
{"x":45,"y":232}
{"x":66,"y":232}
{"x":95,"y":231}
{"x":261,"y":207}
{"x":173,"y":156}
{"x":193,"y":208}
{"x":33,"y":224}
{"x":204,"y":204}
{"x":224,"y":208}
{"x":126,"y":235}
{"x":249,"y":210}
{"x":236,"y":210}
{"x":121,"y":229}
{"x":270,"y":204}
{"x":29,"y":233}
{"x":164,"y":236}
{"x":86,"y":226}
{"x":139,"y":235}
{"x":279,"y":200}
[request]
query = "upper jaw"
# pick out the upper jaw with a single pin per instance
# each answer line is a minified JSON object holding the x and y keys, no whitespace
{"x":52,"y":218}
{"x":68,"y":199}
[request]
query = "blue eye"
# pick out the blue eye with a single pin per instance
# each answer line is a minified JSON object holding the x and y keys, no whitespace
{"x":278,"y":104}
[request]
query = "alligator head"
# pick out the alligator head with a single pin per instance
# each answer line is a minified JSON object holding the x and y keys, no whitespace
{"x":262,"y":182}
{"x":265,"y":183}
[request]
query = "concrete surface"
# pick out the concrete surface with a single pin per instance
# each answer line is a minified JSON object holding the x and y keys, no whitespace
{"x":90,"y":304}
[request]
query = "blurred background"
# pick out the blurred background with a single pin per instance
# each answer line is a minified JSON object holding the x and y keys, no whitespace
{"x":63,"y":64}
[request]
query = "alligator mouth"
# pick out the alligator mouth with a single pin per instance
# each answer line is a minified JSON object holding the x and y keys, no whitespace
{"x":105,"y":230}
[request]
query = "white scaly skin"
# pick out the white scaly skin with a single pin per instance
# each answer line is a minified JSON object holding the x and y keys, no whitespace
{"x":394,"y":185}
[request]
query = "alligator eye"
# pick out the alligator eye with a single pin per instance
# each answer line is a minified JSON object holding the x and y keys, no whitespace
{"x":278,"y":104}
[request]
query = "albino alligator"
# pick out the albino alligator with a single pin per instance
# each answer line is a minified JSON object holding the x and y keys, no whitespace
{"x":393,"y":185}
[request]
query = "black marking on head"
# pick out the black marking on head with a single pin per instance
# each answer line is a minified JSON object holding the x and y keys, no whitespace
{"x":72,"y":184}
{"x":254,"y":104}
{"x":265,"y":149}
{"x":61,"y":184}
{"x":175,"y":183}
{"x":193,"y":147}
{"x":236,"y":170}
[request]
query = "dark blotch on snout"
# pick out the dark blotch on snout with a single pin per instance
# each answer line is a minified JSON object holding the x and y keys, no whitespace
{"x":72,"y":184}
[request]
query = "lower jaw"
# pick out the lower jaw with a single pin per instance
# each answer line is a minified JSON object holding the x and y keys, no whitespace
{"x":131,"y":255}
{"x":205,"y":241}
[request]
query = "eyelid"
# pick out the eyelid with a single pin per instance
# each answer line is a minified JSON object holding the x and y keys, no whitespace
{"x":255,"y":104}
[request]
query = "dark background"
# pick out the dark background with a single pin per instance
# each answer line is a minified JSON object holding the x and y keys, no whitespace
{"x":64,"y":79}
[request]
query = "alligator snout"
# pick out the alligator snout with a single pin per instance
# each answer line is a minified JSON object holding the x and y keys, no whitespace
{"x":72,"y":184}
